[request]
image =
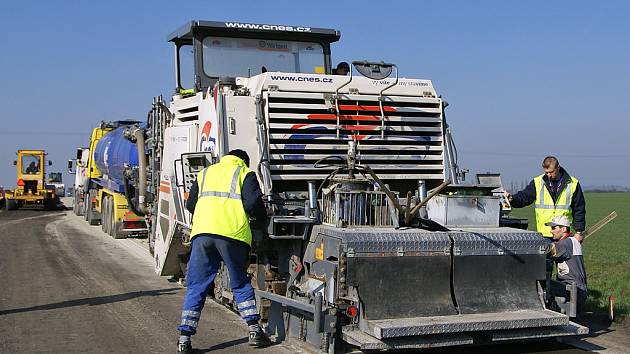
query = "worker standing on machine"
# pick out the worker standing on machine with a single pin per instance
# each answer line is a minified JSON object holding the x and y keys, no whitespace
{"x":567,"y":253}
{"x":342,"y":68}
{"x":555,"y":193}
{"x":225,"y":195}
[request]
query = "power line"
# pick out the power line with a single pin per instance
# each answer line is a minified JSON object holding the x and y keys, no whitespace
{"x":519,"y":154}
{"x":47,"y":133}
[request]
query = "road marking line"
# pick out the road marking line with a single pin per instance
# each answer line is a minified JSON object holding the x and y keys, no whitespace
{"x":11,"y":222}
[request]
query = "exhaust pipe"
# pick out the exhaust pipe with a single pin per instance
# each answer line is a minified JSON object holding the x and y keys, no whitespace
{"x":138,"y":133}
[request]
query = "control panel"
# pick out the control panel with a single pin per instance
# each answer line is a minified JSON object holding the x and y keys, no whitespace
{"x":192,"y":163}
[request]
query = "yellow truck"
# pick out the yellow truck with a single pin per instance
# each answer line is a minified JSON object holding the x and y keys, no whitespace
{"x":32,"y":189}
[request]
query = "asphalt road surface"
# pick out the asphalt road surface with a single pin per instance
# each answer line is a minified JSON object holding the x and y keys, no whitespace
{"x":68,"y":287}
{"x":65,"y":290}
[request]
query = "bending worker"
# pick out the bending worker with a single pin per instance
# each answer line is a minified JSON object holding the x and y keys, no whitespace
{"x":225,"y":196}
{"x":567,"y":253}
{"x":554,"y":193}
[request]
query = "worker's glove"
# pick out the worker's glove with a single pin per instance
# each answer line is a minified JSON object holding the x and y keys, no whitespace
{"x":550,"y":249}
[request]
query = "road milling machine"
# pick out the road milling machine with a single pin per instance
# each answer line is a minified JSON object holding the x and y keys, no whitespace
{"x":32,"y":189}
{"x":374,"y":243}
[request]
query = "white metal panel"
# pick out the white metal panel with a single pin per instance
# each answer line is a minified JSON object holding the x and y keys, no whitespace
{"x":330,"y":84}
{"x":177,"y":140}
{"x":241,"y":126}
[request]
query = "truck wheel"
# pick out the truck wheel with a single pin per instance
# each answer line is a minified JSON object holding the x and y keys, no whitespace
{"x":111,"y":222}
{"x":105,"y":217}
{"x":93,"y":219}
{"x":86,"y":205}
{"x":110,"y":216}
{"x":80,"y":206}
{"x":93,"y":215}
{"x":75,"y":204}
{"x":116,"y":232}
{"x":49,"y":204}
{"x":88,"y":213}
{"x":151,"y":240}
{"x":10,"y":204}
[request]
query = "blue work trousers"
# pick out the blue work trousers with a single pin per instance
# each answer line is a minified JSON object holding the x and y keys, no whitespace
{"x":207,"y":253}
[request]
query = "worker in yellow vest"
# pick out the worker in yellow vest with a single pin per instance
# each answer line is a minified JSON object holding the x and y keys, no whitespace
{"x":554,"y":193}
{"x":225,"y":196}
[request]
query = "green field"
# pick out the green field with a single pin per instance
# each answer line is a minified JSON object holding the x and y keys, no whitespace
{"x":606,"y":253}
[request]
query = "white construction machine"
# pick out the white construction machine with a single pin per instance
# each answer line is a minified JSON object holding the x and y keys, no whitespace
{"x":374,"y":242}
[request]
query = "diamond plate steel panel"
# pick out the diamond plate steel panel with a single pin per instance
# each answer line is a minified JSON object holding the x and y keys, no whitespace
{"x":365,"y":341}
{"x":388,"y":240}
{"x":572,"y":329}
{"x":497,"y":242}
{"x":465,"y":323}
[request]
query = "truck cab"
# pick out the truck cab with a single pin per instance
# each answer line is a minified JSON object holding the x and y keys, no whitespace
{"x":213,"y":50}
{"x":55,"y":180}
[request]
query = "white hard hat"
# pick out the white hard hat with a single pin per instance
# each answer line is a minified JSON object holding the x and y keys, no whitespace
{"x":559,"y":220}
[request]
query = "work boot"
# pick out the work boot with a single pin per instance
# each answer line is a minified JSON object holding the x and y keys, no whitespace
{"x":184,"y":348}
{"x":259,"y":339}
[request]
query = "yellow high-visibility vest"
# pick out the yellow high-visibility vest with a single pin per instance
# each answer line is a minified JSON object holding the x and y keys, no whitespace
{"x":546,"y":209}
{"x":219,"y":208}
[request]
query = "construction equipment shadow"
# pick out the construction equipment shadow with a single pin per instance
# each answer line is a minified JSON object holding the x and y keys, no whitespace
{"x":93,"y":301}
{"x":223,"y":345}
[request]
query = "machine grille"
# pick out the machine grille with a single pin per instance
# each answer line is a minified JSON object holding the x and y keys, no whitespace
{"x":357,"y":208}
{"x":302,"y":129}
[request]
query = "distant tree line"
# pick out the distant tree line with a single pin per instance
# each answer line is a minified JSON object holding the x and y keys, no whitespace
{"x":606,"y":188}
{"x":516,"y":186}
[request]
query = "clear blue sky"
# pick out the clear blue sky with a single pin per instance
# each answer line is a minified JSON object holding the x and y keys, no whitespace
{"x":524,"y":79}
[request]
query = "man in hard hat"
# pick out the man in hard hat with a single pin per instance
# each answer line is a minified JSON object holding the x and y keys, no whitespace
{"x":567,"y":253}
{"x":554,"y":193}
{"x":222,"y":200}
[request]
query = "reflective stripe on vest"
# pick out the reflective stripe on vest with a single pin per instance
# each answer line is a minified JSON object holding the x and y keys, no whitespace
{"x":219,"y":208}
{"x":231,"y":194}
{"x":546,"y":209}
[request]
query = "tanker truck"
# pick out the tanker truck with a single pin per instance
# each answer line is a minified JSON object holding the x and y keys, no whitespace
{"x":374,"y":243}
{"x":107,"y":195}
